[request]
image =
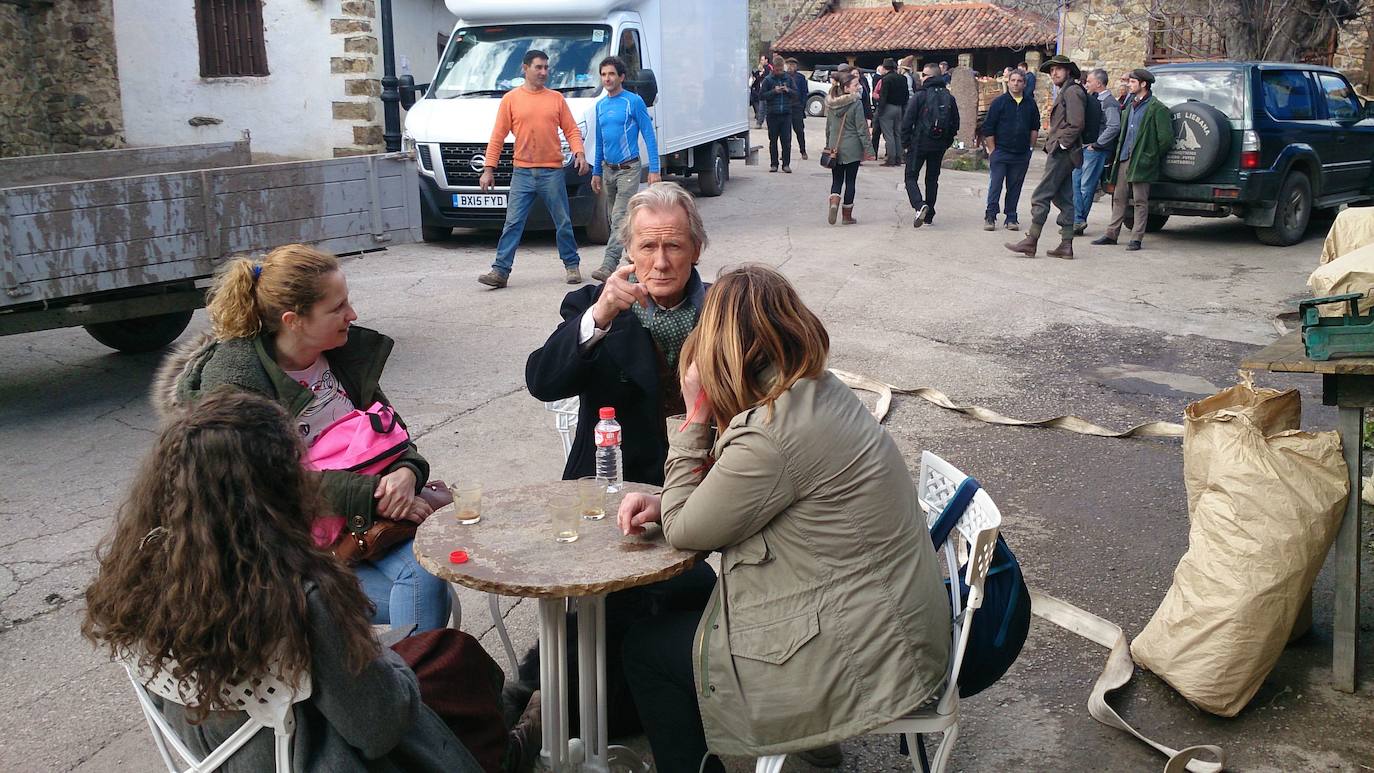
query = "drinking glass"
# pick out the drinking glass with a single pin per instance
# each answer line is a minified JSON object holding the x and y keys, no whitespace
{"x":591,"y":493}
{"x":565,"y":513}
{"x":467,"y":502}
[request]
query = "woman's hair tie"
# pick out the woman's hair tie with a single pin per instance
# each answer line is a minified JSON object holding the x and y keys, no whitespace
{"x":257,"y":271}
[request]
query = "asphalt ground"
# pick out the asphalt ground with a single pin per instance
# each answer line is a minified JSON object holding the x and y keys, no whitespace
{"x":1115,"y":337}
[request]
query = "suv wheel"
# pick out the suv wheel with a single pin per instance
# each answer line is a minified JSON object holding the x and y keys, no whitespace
{"x":1292,"y":213}
{"x":815,"y":106}
{"x":1154,"y":222}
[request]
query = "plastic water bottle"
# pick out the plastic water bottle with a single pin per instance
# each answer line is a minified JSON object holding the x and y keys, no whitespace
{"x":607,"y":435}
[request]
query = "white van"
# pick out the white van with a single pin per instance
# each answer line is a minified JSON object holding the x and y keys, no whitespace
{"x":688,"y":60}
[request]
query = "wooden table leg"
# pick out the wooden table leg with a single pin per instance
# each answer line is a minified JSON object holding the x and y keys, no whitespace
{"x":1346,"y":628}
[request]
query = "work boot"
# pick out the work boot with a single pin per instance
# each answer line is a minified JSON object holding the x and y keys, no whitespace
{"x":848,"y":215}
{"x":989,"y":224}
{"x":834,"y":208}
{"x":1064,"y":250}
{"x":494,"y":278}
{"x":526,"y":738}
{"x":574,"y":276}
{"x":1026,"y":246}
{"x":603,"y":273}
{"x":1132,"y":245}
{"x":1104,"y":239}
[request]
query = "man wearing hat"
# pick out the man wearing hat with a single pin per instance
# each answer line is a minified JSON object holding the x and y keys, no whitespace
{"x":1147,"y":134}
{"x":1065,"y":148}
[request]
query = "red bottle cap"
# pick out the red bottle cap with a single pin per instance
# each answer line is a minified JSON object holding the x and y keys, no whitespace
{"x":458,"y":557}
{"x":608,"y":413}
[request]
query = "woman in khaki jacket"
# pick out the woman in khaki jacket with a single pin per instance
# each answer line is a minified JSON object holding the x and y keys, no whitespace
{"x":829,"y":618}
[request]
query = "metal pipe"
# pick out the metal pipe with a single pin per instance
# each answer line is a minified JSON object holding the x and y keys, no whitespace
{"x":391,"y":96}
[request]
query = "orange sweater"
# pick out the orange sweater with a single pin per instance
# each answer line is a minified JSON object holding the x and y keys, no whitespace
{"x":534,"y":118}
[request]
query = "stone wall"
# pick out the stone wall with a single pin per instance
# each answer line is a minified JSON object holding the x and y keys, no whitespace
{"x":1107,"y":34}
{"x":356,"y":69}
{"x":58,"y":75}
{"x":769,"y":19}
{"x":1353,"y":50}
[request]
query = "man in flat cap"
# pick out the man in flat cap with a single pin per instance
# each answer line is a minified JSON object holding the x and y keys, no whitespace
{"x":1064,"y":145}
{"x":1147,"y":133}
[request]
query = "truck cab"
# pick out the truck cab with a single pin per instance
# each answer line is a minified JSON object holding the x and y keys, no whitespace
{"x":696,"y":127}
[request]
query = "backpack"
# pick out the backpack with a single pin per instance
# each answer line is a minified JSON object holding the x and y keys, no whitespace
{"x":1092,"y":119}
{"x":935,"y":120}
{"x":1000,"y":627}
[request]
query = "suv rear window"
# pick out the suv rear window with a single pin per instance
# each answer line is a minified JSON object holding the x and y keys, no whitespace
{"x":1222,"y":89}
{"x":1288,"y":95}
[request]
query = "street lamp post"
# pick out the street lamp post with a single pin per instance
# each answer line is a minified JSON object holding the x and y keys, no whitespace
{"x":391,"y":96}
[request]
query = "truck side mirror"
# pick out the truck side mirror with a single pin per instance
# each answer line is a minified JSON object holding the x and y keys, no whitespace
{"x":645,"y":85}
{"x":406,"y":84}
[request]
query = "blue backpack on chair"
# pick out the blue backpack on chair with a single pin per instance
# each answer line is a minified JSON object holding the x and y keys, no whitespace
{"x":1003,"y":621}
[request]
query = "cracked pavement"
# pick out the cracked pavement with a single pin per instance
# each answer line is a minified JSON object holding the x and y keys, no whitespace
{"x":1115,"y":337}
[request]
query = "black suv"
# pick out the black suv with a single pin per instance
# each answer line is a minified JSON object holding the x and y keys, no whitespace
{"x":1266,"y":141}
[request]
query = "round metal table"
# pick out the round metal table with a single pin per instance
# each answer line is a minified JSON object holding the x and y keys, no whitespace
{"x":511,"y":552}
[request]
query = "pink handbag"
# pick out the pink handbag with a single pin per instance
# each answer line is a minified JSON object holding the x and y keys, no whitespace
{"x":366,"y":442}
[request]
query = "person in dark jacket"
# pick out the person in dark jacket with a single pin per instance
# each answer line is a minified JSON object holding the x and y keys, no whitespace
{"x":284,"y":328}
{"x":800,"y":91}
{"x":1024,"y":68}
{"x":892,"y":100}
{"x":1064,"y":150}
{"x":1146,"y":135}
{"x":929,"y":125}
{"x":1095,"y":150}
{"x":1009,"y":133}
{"x":777,"y":90}
{"x":875,"y":98}
{"x":211,"y":568}
{"x":618,"y":346}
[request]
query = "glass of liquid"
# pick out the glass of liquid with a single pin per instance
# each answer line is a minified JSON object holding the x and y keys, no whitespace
{"x":591,"y":494}
{"x":565,"y":515}
{"x":467,"y":502}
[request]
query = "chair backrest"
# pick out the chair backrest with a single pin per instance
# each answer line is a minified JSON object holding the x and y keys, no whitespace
{"x":564,"y":420}
{"x":974,"y":536}
{"x":267,"y":700}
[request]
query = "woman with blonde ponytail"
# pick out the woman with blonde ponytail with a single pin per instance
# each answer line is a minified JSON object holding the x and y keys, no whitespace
{"x":283,"y":327}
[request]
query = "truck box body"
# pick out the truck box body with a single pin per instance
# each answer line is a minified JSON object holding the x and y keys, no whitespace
{"x":697,"y":53}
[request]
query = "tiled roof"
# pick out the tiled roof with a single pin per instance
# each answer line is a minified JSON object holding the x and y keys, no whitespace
{"x":945,"y":27}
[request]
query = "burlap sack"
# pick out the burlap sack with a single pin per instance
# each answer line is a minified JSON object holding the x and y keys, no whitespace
{"x":1264,"y":501}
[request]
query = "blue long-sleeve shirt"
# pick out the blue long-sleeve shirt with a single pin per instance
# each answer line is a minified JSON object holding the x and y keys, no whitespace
{"x":620,"y":121}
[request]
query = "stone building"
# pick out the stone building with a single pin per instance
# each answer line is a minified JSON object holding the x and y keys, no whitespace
{"x":59,"y":90}
{"x":303,"y":78}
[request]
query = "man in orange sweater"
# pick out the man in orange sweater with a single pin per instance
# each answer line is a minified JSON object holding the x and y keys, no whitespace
{"x":534,"y":114}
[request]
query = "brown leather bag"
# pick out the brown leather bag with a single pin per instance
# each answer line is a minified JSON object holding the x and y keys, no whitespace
{"x":385,"y":533}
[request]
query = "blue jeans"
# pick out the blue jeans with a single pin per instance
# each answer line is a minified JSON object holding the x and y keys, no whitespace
{"x":403,"y":592}
{"x":1007,"y":169}
{"x":1085,"y":181}
{"x":526,"y":184}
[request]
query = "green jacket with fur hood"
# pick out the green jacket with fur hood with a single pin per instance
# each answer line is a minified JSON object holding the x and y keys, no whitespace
{"x":202,"y":364}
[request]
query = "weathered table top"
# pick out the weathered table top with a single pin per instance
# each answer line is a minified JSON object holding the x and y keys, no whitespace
{"x":1288,"y":355}
{"x":511,"y":551}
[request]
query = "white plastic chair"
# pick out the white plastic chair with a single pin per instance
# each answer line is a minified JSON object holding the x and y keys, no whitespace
{"x":268,"y":700}
{"x":977,"y":533}
{"x":564,"y":420}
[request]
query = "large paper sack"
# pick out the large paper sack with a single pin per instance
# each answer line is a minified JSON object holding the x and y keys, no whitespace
{"x":1264,"y":502}
{"x":1352,"y":272}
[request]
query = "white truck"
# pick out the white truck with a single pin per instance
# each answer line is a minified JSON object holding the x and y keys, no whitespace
{"x":688,"y":60}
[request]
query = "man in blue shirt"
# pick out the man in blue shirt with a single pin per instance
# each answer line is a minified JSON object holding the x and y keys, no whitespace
{"x":1009,"y":131}
{"x":621,"y":119}
{"x":777,"y":96}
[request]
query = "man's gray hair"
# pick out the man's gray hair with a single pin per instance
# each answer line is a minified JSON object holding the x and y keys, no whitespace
{"x":931,"y":68}
{"x":663,"y":196}
{"x":1100,"y":75}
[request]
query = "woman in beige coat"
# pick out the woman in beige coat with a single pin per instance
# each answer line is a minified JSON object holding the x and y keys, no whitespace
{"x":829,"y":618}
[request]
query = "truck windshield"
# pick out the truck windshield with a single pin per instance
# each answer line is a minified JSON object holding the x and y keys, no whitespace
{"x":1222,"y":89}
{"x":485,"y":61}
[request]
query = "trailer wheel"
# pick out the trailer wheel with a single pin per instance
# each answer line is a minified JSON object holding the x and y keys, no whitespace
{"x":143,"y":334}
{"x":711,"y":175}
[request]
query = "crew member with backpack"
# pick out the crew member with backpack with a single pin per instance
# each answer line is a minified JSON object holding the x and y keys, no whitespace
{"x":1064,"y":146}
{"x":928,"y":128}
{"x":1100,"y":130}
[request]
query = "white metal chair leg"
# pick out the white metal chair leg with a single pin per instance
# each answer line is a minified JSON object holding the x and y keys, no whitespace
{"x":770,"y":764}
{"x":455,"y":616}
{"x":945,"y":749}
{"x":494,"y":604}
{"x":912,"y":740}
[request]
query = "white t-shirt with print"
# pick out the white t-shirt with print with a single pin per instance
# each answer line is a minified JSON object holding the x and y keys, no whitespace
{"x":329,"y":402}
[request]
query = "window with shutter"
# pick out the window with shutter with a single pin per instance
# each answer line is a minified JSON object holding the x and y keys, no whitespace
{"x":231,"y":38}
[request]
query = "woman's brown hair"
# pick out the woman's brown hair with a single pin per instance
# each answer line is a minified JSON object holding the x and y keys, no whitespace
{"x":753,"y":319}
{"x":209,"y":553}
{"x":248,"y":298}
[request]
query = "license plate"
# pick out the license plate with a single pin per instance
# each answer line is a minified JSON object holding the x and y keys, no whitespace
{"x":480,"y":200}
